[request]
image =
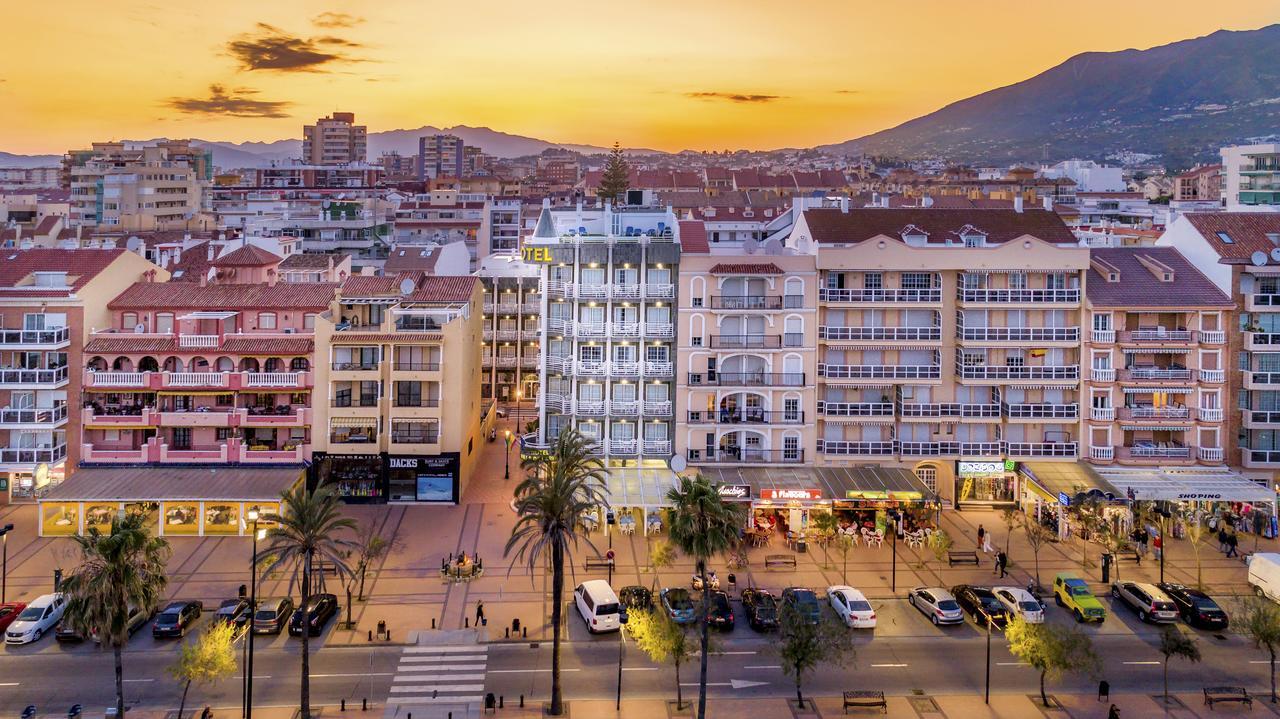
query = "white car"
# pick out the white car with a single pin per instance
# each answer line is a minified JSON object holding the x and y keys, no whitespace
{"x":39,"y":618}
{"x":936,"y":603}
{"x":852,"y":607}
{"x":1020,"y":603}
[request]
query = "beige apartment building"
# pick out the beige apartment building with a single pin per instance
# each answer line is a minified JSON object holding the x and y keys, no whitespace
{"x":398,"y":359}
{"x":158,"y":187}
{"x":334,"y":140}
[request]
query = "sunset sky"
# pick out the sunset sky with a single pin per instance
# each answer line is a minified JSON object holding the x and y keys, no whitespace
{"x":667,"y":74}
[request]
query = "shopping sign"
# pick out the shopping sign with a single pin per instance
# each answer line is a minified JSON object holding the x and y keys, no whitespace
{"x":791,"y":494}
{"x":735,"y":491}
{"x":1063,"y":499}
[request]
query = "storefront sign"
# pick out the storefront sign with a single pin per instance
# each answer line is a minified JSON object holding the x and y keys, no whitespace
{"x":791,"y":494}
{"x":980,"y":469}
{"x":536,"y":255}
{"x":882,"y":494}
{"x":1063,"y":499}
{"x":735,"y":491}
{"x":1193,"y":496}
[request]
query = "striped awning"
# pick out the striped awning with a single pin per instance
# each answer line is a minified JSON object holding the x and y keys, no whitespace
{"x":353,"y":421}
{"x":1154,"y":428}
{"x":845,"y":384}
{"x":120,"y":426}
{"x":863,"y":421}
{"x":1155,"y":350}
{"x":186,"y":392}
{"x":1148,"y":390}
{"x":1050,"y":385}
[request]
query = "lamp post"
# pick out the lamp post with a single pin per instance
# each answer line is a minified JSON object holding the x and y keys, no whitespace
{"x":507,"y":438}
{"x":622,"y":642}
{"x":893,"y":582}
{"x":253,"y":609}
{"x":987,"y":620}
{"x":4,"y":572}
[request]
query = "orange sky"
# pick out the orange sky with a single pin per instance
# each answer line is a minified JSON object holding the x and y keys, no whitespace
{"x":668,"y":74}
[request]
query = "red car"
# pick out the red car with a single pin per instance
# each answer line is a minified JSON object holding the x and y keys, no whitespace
{"x":10,"y":611}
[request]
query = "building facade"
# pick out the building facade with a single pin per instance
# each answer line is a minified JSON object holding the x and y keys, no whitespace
{"x":441,"y":156}
{"x":512,"y":331}
{"x":1251,"y":177}
{"x":157,"y":187}
{"x":335,"y":140}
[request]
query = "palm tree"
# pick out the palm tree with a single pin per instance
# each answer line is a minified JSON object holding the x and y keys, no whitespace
{"x":118,"y":570}
{"x":562,"y":485}
{"x":703,"y":525}
{"x":306,"y":529}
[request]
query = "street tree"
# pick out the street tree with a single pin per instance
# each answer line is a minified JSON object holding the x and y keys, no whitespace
{"x":939,"y":543}
{"x":844,"y":545}
{"x":1037,"y":536}
{"x":207,"y":659}
{"x":562,"y":485}
{"x":1114,"y":541}
{"x":1258,"y":619}
{"x":308,"y":528}
{"x":661,"y":555}
{"x":370,"y":548}
{"x":1051,"y":649}
{"x":827,"y":526}
{"x":663,"y":640}
{"x":120,"y":569}
{"x":1088,"y":516}
{"x":803,"y":645}
{"x":616,"y":178}
{"x":1011,"y":518}
{"x":1197,"y":532}
{"x":1174,"y":642}
{"x":703,"y":525}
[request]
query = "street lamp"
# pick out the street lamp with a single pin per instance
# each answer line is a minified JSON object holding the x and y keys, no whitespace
{"x":622,"y":642}
{"x":893,"y":582}
{"x":507,"y":438}
{"x":986,"y":617}
{"x":4,"y":572}
{"x":253,"y":515}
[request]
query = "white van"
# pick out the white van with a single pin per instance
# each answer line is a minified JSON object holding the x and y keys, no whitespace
{"x":599,"y":606}
{"x":1264,"y":575}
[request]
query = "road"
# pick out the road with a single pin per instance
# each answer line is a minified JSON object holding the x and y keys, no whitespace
{"x":906,"y":653}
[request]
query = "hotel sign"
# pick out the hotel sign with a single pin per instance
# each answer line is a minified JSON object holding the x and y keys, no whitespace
{"x":791,"y":494}
{"x":536,"y":255}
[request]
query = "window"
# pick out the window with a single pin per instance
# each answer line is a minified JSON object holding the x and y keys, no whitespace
{"x":408,"y":394}
{"x":266,"y":320}
{"x":973,"y":240}
{"x":791,"y":409}
{"x":164,"y":323}
{"x":929,"y":477}
{"x":917,"y":281}
{"x":695,"y":301}
{"x":309,"y":321}
{"x":873,"y":281}
{"x":791,"y":447}
{"x":1102,"y":322}
{"x":1017,"y":281}
{"x":129,"y":320}
{"x":1225,"y":238}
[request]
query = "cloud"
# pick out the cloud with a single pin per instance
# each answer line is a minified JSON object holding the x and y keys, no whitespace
{"x":848,"y":92}
{"x":336,"y":19}
{"x":270,"y":48}
{"x":236,"y":101}
{"x":732,"y":97}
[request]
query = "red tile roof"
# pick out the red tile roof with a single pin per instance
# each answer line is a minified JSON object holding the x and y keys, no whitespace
{"x":252,"y":345}
{"x":1138,"y":287}
{"x":857,"y":225}
{"x":744,"y":268}
{"x":407,"y":258}
{"x":81,"y":266}
{"x":444,"y":289}
{"x":47,"y":224}
{"x":311,"y":261}
{"x":181,"y":295}
{"x":257,"y":346}
{"x":125,"y":343}
{"x":693,"y":237}
{"x":1248,"y":232}
{"x":376,"y":286}
{"x":247,"y":256}
{"x":347,"y":336}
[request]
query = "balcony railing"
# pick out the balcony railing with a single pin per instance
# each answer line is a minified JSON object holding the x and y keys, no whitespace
{"x":118,"y":379}
{"x":589,"y":408}
{"x":996,"y":372}
{"x":1155,"y":413}
{"x":928,"y":449}
{"x":1042,"y":411}
{"x":949,"y":410}
{"x":356,"y":366}
{"x":1145,"y":374}
{"x":271,"y":379}
{"x":905,"y":372}
{"x":1104,"y":337}
{"x":1041,"y":449}
{"x":370,"y":437}
{"x":746,"y":341}
{"x":624,"y":369}
{"x":420,"y":366}
{"x":1159,"y":336}
{"x":895,"y":334}
{"x":33,"y":456}
{"x":748,"y":379}
{"x":624,"y":408}
{"x":855,"y":409}
{"x":1210,"y":454}
{"x":410,"y":436}
{"x":745,"y":416}
{"x":747,"y":455}
{"x":1071,"y":296}
{"x":1213,"y":337}
{"x":1210,"y":414}
{"x":590,"y":368}
{"x":1103,"y":374}
{"x":623,"y":446}
{"x":55,"y":336}
{"x":1019,"y":334}
{"x":886,"y":448}
{"x":660,"y":447}
{"x":342,"y":402}
{"x":43,"y":415}
{"x":1213,"y":376}
{"x":1104,"y":454}
{"x":881,"y":295}
{"x":981,"y":449}
{"x":658,"y":408}
{"x":660,"y":330}
{"x":1263,"y":417}
{"x":1102,"y":414}
{"x":658,"y":369}
{"x":625,"y":329}
{"x":33,"y":376}
{"x":626,"y":292}
{"x":1156,"y":452}
{"x":659,"y":291}
{"x":746,"y":302}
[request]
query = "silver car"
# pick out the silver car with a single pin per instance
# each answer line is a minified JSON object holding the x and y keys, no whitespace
{"x":1147,"y":600}
{"x":937,"y":604}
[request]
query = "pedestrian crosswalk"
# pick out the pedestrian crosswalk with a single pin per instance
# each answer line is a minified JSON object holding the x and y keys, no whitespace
{"x":439,"y":677}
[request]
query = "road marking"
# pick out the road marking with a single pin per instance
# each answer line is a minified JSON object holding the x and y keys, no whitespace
{"x":446,"y":677}
{"x":1259,"y":661}
{"x":137,"y":680}
{"x":733,"y":683}
{"x":433,"y":700}
{"x":763,"y":666}
{"x":889,"y":665}
{"x":426,"y":660}
{"x":1144,"y":664}
{"x":438,"y":688}
{"x":468,"y":649}
{"x":451,"y":667}
{"x":9,"y":684}
{"x":639,"y":669}
{"x":730,"y":654}
{"x":528,"y":671}
{"x":261,"y":676}
{"x":1012,"y":664}
{"x":367,"y":674}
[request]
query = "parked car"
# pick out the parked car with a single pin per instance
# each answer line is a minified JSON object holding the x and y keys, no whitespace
{"x":10,"y":611}
{"x":175,"y":619}
{"x":1147,"y":601}
{"x":319,"y":610}
{"x":852,"y":607}
{"x":980,"y":603}
{"x":677,"y":603}
{"x":761,"y":609}
{"x":1018,"y":602}
{"x":937,"y":604}
{"x":65,"y":634}
{"x":1196,"y":607}
{"x":138,"y":619}
{"x":234,"y":612}
{"x":636,"y":598}
{"x":40,"y":617}
{"x":720,"y":612}
{"x":804,"y":601}
{"x":599,"y":607}
{"x":1072,"y":592}
{"x":271,"y":615}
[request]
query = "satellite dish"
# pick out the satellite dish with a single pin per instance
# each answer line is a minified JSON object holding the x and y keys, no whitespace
{"x":406,"y":286}
{"x":132,"y":244}
{"x":1258,"y":258}
{"x":678,"y":463}
{"x":325,"y":204}
{"x":750,"y":245}
{"x":1275,"y":254}
{"x":773,"y":247}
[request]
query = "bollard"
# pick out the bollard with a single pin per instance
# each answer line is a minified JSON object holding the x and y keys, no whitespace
{"x":388,"y":635}
{"x":506,"y":633}
{"x":524,"y":633}
{"x":342,"y":706}
{"x":370,"y":635}
{"x":500,"y":701}
{"x":364,"y":704}
{"x":466,"y":622}
{"x":522,"y":701}
{"x":433,"y":622}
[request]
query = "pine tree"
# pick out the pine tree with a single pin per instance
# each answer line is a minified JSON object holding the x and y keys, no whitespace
{"x":616,"y":178}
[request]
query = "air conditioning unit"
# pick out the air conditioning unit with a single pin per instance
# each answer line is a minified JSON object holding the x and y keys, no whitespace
{"x":289,"y":330}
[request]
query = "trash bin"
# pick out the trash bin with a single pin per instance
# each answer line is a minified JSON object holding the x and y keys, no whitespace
{"x":1107,"y":559}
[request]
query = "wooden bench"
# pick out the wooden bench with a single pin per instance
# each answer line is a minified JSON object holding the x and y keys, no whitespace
{"x":1128,"y":553}
{"x":323,"y":567}
{"x":1213,"y":695}
{"x":865,"y":699}
{"x":954,"y":558}
{"x":599,"y":563}
{"x":772,"y":561}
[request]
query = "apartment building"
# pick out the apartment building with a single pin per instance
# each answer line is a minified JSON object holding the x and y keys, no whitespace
{"x":500,"y":226}
{"x":400,"y":415}
{"x":156,"y":187}
{"x":49,"y":301}
{"x":1202,"y":184}
{"x":512,"y":330}
{"x":335,"y":140}
{"x":352,"y":175}
{"x":608,"y":278}
{"x":1156,"y":349}
{"x":1251,"y":177}
{"x":441,"y":156}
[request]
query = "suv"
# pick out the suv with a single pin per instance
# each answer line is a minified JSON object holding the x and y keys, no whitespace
{"x":175,"y":619}
{"x":761,"y":609}
{"x":719,"y":612}
{"x":319,"y":610}
{"x":1151,"y":604}
{"x":271,"y":615}
{"x":1072,"y":592}
{"x":804,"y":601}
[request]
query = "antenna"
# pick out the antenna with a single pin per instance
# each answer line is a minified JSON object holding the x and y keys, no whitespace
{"x":407,"y":286}
{"x":1258,"y":258}
{"x":1275,"y":254}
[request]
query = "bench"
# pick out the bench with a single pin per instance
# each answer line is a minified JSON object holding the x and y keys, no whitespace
{"x":865,"y":698}
{"x":1212,"y":695}
{"x":599,"y":563}
{"x":773,"y":561}
{"x":322,"y":567}
{"x":954,"y":558}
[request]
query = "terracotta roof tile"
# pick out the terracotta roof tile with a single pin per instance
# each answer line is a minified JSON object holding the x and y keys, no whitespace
{"x":81,"y":266}
{"x":348,"y":336}
{"x":181,"y":295}
{"x":247,"y":256}
{"x":746,"y":268}
{"x":1248,"y":232}
{"x":248,"y":344}
{"x":1138,"y":287}
{"x":693,"y":237}
{"x":258,"y":346}
{"x":310,"y":261}
{"x":857,"y":225}
{"x":125,"y":343}
{"x":444,"y":289}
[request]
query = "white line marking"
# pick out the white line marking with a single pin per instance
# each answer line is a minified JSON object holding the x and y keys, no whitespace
{"x":137,"y":680}
{"x":450,"y":677}
{"x":368,"y":674}
{"x":1012,"y":664}
{"x":437,"y":660}
{"x":433,"y":700}
{"x":450,"y":668}
{"x":527,"y":671}
{"x":763,"y":666}
{"x":9,"y":684}
{"x":444,"y":688}
{"x":889,"y":665}
{"x":442,"y":650}
{"x":1144,"y":664}
{"x":1259,"y":661}
{"x":730,"y":654}
{"x":639,"y":669}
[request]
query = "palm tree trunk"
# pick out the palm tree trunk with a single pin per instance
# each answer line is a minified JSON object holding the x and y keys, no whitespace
{"x":305,"y":698}
{"x":182,"y":705}
{"x":1166,"y":685}
{"x":1037,"y":556}
{"x":119,"y":657}
{"x":363,"y":570}
{"x":557,"y":592}
{"x":706,"y":639}
{"x":1273,"y":676}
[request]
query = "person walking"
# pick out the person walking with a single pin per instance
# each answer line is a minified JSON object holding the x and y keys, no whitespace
{"x":479,"y":612}
{"x":1002,"y":564}
{"x":1222,"y":538}
{"x":1114,"y":713}
{"x":1158,"y":544}
{"x":982,"y":537}
{"x":1233,"y":541}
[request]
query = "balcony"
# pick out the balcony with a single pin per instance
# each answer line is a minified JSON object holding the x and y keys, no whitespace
{"x":997,"y":373}
{"x":1157,"y":374}
{"x":1156,"y":414}
{"x":558,"y":403}
{"x":1103,"y":337}
{"x":1213,"y":376}
{"x":928,"y":449}
{"x":1262,"y":380}
{"x":287,"y":455}
{"x":41,"y":418}
{"x":1159,"y":336}
{"x":33,"y":378}
{"x":625,"y":329}
{"x":357,"y":401}
{"x":507,"y":335}
{"x":356,"y":366}
{"x":1210,"y":414}
{"x":623,"y":446}
{"x":746,"y":302}
{"x":948,"y":410}
{"x":659,"y":291}
{"x":1261,"y":341}
{"x":881,"y":296}
{"x":658,"y":369}
{"x":590,"y":330}
{"x":415,"y":436}
{"x":624,"y":409}
{"x":843,"y":448}
{"x":747,"y":455}
{"x":1257,"y":419}
{"x":365,"y":435}
{"x":1154,"y":452}
{"x":255,"y":417}
{"x":1260,"y":458}
{"x":662,"y":408}
{"x":1042,"y":412}
{"x":658,"y":447}
{"x":981,"y":449}
{"x":590,"y":408}
{"x":739,"y":342}
{"x":1019,"y":334}
{"x":590,"y":368}
{"x":1102,"y":414}
{"x":205,"y":417}
{"x":49,"y":339}
{"x":880,"y":334}
{"x":659,"y":330}
{"x":1102,"y":454}
{"x":29,"y":457}
{"x":1210,"y":454}
{"x":748,"y":379}
{"x":1018,"y":296}
{"x":1067,"y":450}
{"x":1213,"y":337}
{"x":591,"y":292}
{"x":1262,"y":303}
{"x":879,"y":372}
{"x":1102,"y":374}
{"x":423,"y":366}
{"x":855,"y":409}
{"x":557,"y":364}
{"x":626,"y":292}
{"x":745,"y":416}
{"x":624,"y":369}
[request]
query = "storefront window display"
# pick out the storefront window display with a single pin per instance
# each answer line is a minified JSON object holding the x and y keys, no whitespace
{"x":221,"y":518}
{"x":358,"y":477}
{"x":181,"y":518}
{"x":993,"y":482}
{"x":60,"y":519}
{"x":422,"y":479}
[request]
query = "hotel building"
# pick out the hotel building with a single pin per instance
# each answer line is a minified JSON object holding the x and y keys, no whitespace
{"x":512,"y":330}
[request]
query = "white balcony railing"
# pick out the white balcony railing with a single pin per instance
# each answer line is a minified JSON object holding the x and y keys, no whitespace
{"x":981,"y":449}
{"x":1210,"y":454}
{"x":660,"y":291}
{"x":272,"y":379}
{"x":881,"y":295}
{"x":866,"y":334}
{"x":657,"y":446}
{"x":1019,"y":334}
{"x":1158,"y":335}
{"x":54,"y":376}
{"x":1102,"y":414}
{"x":855,"y":409}
{"x":1157,"y":373}
{"x":587,"y":408}
{"x":1103,"y":374}
{"x":1213,"y":337}
{"x":661,"y":408}
{"x":661,"y":330}
{"x":1158,"y":412}
{"x":1041,"y":449}
{"x":1104,"y":337}
{"x":1020,"y":296}
{"x":906,"y":372}
{"x":590,"y":329}
{"x":1102,"y":453}
{"x":590,"y":368}
{"x":117,"y":379}
{"x":624,"y":409}
{"x":1151,"y":451}
{"x":859,"y":449}
{"x":622,"y":446}
{"x":626,"y":292}
{"x":1210,"y":414}
{"x":197,"y":379}
{"x":659,"y":369}
{"x":997,"y":372}
{"x":1214,"y":376}
{"x":624,"y":369}
{"x":625,"y":329}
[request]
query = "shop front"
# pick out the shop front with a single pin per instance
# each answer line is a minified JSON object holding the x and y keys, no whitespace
{"x":357,"y":478}
{"x":987,"y":483}
{"x":381,"y":478}
{"x":1220,"y":494}
{"x":1050,"y":489}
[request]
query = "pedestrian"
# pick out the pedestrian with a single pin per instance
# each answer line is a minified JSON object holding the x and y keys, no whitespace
{"x":1232,"y":542}
{"x":982,"y":537}
{"x":479,"y":612}
{"x":1222,"y":538}
{"x":1114,"y":713}
{"x":1144,"y":539}
{"x":1002,"y":564}
{"x":1158,"y":544}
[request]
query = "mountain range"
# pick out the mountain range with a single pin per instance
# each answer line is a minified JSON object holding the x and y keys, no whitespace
{"x":1182,"y":101}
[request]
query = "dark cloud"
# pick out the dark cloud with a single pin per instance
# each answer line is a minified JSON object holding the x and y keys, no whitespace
{"x":732,"y":97}
{"x":270,"y":48}
{"x":847,"y":92}
{"x":236,"y":101}
{"x":336,"y":19}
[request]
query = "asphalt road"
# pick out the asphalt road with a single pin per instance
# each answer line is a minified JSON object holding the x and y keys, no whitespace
{"x":905,"y":653}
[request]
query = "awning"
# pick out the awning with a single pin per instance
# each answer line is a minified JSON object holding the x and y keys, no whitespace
{"x":1074,"y":479}
{"x":120,"y":426}
{"x":353,"y":421}
{"x":827,"y":483}
{"x":644,"y":487}
{"x":1154,"y":428}
{"x":184,"y":392}
{"x":1155,"y":350}
{"x":159,"y":484}
{"x":1149,"y":390}
{"x":208,"y":315}
{"x":1201,"y":484}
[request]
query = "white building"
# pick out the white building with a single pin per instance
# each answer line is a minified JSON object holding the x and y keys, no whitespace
{"x":1251,"y":177}
{"x":1089,"y":176}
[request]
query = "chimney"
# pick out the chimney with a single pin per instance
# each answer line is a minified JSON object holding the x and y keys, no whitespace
{"x":271,"y":278}
{"x":844,"y":205}
{"x":1048,"y":203}
{"x":1017,"y":203}
{"x":204,"y":279}
{"x":210,"y":252}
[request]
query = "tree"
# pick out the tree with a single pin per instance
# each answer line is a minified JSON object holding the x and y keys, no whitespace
{"x":703,"y":525}
{"x":827,"y":526}
{"x":1011,"y":518}
{"x":940,"y":543}
{"x":1197,"y":531}
{"x":123,"y":569}
{"x":803,"y":645}
{"x":665,"y":641}
{"x":1088,"y":514}
{"x":1051,"y":649}
{"x":1258,"y":619}
{"x":661,"y":556}
{"x":562,"y":485}
{"x":370,"y":546}
{"x":308,"y":527}
{"x":1176,"y":643}
{"x":1038,"y":535}
{"x":208,"y":659}
{"x":1115,"y":541}
{"x":844,"y":545}
{"x":616,"y":178}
